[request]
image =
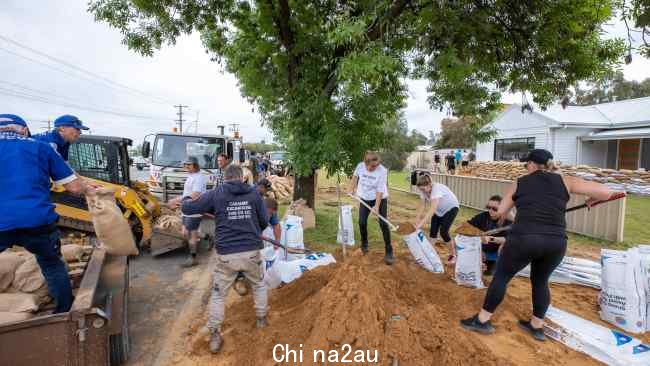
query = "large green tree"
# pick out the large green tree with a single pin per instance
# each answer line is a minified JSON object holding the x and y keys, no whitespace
{"x":611,"y":89}
{"x":327,"y":76}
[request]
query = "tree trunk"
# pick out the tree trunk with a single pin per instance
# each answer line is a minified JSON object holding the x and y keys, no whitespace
{"x":305,"y":187}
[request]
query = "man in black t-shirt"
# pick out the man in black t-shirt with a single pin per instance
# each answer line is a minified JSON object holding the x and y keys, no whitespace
{"x":451,"y":163}
{"x":485,"y":221}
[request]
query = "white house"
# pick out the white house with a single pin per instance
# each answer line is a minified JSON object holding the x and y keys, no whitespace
{"x":612,"y":135}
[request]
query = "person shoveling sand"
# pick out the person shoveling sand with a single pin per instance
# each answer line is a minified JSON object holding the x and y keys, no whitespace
{"x":405,"y":314}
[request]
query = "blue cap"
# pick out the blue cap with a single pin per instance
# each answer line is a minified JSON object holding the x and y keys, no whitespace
{"x":69,"y":121}
{"x":11,"y":119}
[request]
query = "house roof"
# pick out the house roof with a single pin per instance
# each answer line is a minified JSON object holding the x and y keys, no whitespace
{"x":628,"y":113}
{"x":618,"y":134}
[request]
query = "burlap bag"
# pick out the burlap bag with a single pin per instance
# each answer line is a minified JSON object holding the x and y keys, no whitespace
{"x":111,"y":227}
{"x":28,"y":276}
{"x":72,"y":252}
{"x":18,"y":302}
{"x":7,"y":317}
{"x":9,"y":262}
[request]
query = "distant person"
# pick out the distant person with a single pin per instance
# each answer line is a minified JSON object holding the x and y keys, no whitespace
{"x":369,"y":183}
{"x":436,"y":162}
{"x":222,"y":163}
{"x":253,"y":165}
{"x":443,"y":211}
{"x":195,"y":185}
{"x":472,"y":156}
{"x":451,"y":164}
{"x":67,"y":130}
{"x":458,"y":155}
{"x":537,"y":238}
{"x":240,"y":218}
{"x":464,"y":163}
{"x":27,"y":216}
{"x":489,"y":220}
{"x":272,"y":213}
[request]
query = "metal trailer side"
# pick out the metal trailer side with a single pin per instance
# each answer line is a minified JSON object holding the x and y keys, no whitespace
{"x":94,"y":332}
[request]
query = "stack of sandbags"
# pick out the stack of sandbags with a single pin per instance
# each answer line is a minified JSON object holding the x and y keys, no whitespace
{"x":573,"y":270}
{"x":169,"y":220}
{"x":282,"y":187}
{"x":300,"y":208}
{"x":22,"y":286}
{"x":631,"y":181}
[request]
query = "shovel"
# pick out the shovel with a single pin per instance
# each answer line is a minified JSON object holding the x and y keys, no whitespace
{"x":614,"y":197}
{"x":288,"y":250}
{"x":402,"y":229}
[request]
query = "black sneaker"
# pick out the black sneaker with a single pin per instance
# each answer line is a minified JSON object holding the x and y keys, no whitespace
{"x":537,"y":333}
{"x":364,"y":249}
{"x":475,"y":325}
{"x":389,"y":259}
{"x":191,"y":261}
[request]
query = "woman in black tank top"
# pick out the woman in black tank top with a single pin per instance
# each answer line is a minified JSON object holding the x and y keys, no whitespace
{"x":538,"y":237}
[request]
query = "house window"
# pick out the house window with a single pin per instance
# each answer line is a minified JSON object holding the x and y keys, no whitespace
{"x":512,"y":149}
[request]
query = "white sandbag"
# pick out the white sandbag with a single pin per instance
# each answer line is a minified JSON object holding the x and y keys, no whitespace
{"x":468,"y":261}
{"x":605,"y":345}
{"x":644,"y":254}
{"x":9,"y":262}
{"x":268,"y":233}
{"x":269,"y":256}
{"x":622,"y":297}
{"x":288,"y":271}
{"x":423,"y":252}
{"x":345,"y":233}
{"x":292,"y":237}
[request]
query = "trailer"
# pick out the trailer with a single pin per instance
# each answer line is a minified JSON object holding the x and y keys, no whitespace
{"x":93,"y":333}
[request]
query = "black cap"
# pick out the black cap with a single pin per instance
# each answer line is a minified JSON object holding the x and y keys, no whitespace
{"x":265,"y":183}
{"x":539,"y":156}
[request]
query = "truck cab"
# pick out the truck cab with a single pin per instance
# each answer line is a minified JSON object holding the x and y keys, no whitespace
{"x":170,"y":150}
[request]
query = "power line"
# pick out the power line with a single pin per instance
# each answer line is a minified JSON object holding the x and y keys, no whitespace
{"x":80,"y":69}
{"x":103,"y":81}
{"x":180,"y":117}
{"x":23,"y":95}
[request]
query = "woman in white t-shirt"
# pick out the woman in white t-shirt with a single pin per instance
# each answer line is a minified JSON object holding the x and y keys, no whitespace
{"x":443,"y":211}
{"x":369,"y":182}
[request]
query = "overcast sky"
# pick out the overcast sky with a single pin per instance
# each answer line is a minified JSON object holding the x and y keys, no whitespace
{"x":182,"y":74}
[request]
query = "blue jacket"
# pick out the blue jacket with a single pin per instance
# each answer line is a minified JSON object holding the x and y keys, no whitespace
{"x":26,"y":166}
{"x":239,"y":213}
{"x":54,"y":139}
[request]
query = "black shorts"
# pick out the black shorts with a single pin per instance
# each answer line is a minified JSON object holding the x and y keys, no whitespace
{"x":443,"y":224}
{"x":191,"y":223}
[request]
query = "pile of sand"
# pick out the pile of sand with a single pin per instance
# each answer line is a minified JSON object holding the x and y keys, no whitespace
{"x":403,"y":312}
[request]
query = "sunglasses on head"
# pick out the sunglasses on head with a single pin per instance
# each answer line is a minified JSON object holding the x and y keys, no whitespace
{"x":491,"y":208}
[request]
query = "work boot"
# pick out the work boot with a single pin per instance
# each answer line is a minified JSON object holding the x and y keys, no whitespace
{"x":191,"y":261}
{"x":261,"y":323}
{"x":389,"y":259}
{"x":215,"y":341}
{"x":475,"y":325}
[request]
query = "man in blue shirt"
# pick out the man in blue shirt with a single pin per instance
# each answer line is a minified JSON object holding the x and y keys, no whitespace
{"x":67,"y":130}
{"x":27,"y":216}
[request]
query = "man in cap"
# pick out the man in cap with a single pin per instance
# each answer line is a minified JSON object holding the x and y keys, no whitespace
{"x":194,"y":186}
{"x":27,"y":217}
{"x":240,"y":217}
{"x":67,"y":130}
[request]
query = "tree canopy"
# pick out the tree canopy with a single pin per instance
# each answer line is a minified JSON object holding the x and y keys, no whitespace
{"x":611,"y":89}
{"x":328,"y":76}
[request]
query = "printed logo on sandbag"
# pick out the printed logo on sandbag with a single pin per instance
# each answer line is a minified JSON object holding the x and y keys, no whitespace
{"x":420,"y":236}
{"x":621,"y":338}
{"x":640,"y":349}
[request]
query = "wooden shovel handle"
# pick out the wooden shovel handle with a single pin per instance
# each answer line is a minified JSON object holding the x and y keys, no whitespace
{"x":392,"y":227}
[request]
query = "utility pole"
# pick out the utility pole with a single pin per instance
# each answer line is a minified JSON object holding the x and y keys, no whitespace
{"x":180,"y":117}
{"x":196,"y":123}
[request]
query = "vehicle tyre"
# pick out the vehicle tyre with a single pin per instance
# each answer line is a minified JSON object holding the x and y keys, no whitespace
{"x":120,"y":344}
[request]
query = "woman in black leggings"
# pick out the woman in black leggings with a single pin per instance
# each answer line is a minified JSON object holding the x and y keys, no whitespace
{"x":538,"y":237}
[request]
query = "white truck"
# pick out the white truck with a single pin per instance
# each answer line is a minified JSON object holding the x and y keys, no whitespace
{"x":170,"y":150}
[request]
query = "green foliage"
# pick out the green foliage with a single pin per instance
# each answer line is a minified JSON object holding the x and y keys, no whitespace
{"x":610,"y":89}
{"x":260,"y":147}
{"x":465,"y":132}
{"x":328,"y":77}
{"x":399,"y":144}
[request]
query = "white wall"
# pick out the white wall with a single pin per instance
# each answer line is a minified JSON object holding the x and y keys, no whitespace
{"x":564,"y":144}
{"x":514,"y":124}
{"x":593,"y":153}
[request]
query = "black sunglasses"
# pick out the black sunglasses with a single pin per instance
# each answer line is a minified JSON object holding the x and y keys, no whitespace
{"x":491,"y":208}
